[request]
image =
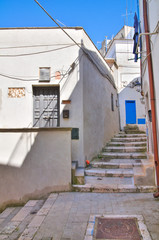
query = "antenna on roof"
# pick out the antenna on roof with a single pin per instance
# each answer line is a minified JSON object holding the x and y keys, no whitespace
{"x":61,"y":23}
{"x":126,"y":15}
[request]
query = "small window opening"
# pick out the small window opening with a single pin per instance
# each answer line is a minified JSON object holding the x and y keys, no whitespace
{"x":112,"y":102}
{"x":44,"y":73}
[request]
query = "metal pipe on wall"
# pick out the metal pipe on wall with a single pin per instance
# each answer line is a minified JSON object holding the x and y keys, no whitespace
{"x":152,"y":94}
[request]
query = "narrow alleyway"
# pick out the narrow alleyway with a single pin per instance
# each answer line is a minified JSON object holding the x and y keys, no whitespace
{"x":66,"y":216}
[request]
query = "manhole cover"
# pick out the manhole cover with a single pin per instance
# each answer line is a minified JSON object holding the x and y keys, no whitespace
{"x":116,"y":229}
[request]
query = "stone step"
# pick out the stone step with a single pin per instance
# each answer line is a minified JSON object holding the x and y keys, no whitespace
{"x":111,"y":181}
{"x":109,"y":172}
{"x":127,"y":144}
{"x":108,"y":187}
{"x":136,"y":139}
{"x":124,"y":149}
{"x":129,"y":135}
{"x":21,"y":219}
{"x":111,"y":155}
{"x":79,"y":176}
{"x":111,"y":189}
{"x":119,"y":163}
{"x":134,"y":132}
{"x":119,"y":160}
{"x":7,"y":215}
{"x":30,"y":231}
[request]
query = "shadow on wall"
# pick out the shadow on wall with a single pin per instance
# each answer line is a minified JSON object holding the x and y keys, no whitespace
{"x":45,"y":167}
{"x":14,"y":147}
{"x":134,"y":85}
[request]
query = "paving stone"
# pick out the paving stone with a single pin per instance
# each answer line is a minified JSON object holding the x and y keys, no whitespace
{"x":36,"y":222}
{"x":22,"y":214}
{"x":4,"y":237}
{"x":1,"y":220}
{"x":28,"y":234}
{"x":31,"y":203}
{"x":10,"y":227}
{"x":7,"y":212}
{"x":57,"y":225}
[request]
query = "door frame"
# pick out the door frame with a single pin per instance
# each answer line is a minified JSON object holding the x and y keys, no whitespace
{"x":130,"y":101}
{"x":58,"y":102}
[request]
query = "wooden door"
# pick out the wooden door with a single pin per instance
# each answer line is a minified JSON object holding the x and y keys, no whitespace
{"x":46,"y":107}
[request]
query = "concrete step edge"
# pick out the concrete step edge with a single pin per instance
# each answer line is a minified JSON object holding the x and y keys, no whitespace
{"x":136,"y":144}
{"x":109,"y":172}
{"x":129,"y":135}
{"x":111,"y":189}
{"x":115,"y":165}
{"x":121,"y":155}
{"x":124,"y":149}
{"x":128,"y":139}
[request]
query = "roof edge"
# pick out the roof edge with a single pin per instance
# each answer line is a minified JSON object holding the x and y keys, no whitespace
{"x":14,"y":28}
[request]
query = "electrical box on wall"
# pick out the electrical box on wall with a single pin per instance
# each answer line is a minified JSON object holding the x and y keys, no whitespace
{"x":65,"y":113}
{"x":75,"y":133}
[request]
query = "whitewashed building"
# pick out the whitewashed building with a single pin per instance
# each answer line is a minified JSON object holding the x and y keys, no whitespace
{"x":126,"y":72}
{"x":57,"y":105}
{"x":149,"y":50}
{"x":153,"y":23}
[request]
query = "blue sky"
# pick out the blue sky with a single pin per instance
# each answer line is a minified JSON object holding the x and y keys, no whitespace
{"x":99,"y":18}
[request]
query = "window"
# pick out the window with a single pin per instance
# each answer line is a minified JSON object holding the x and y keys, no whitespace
{"x":44,"y":73}
{"x":112,"y":102}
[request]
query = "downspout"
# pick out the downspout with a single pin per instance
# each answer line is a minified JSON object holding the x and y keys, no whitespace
{"x":138,"y":16}
{"x":152,"y":94}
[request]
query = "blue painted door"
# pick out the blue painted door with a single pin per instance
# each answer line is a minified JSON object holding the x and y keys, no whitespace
{"x":130,"y":107}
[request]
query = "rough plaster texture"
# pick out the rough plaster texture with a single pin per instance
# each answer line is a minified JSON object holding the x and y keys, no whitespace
{"x":100,"y":122}
{"x":44,"y":169}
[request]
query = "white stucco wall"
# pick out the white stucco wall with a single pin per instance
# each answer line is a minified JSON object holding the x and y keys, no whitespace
{"x":23,"y":52}
{"x":153,"y":18}
{"x":131,"y":94}
{"x":100,"y":122}
{"x":127,"y":71}
{"x":35,"y":173}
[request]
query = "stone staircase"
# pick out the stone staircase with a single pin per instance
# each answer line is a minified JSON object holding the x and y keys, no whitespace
{"x":122,"y":166}
{"x":23,"y":223}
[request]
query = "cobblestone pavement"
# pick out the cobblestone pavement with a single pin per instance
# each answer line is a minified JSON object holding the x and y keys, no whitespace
{"x":65,"y":215}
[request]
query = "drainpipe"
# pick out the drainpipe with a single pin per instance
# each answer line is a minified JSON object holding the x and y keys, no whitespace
{"x":152,"y":94}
